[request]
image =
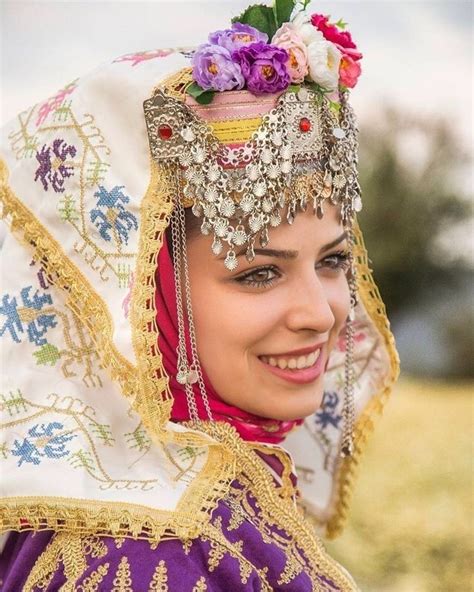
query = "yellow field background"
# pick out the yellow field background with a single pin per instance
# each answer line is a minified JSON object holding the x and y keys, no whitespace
{"x":411,"y":523}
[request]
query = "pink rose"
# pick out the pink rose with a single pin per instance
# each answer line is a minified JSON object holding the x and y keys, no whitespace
{"x":342,"y":39}
{"x":349,"y":71}
{"x":287,"y":38}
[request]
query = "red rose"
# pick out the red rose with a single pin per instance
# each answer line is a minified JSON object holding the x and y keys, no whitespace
{"x":342,"y":39}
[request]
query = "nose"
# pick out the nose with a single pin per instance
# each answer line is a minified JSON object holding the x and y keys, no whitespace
{"x":309,"y":305}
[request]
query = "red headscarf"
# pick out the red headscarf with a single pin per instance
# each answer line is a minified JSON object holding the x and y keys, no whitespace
{"x":250,"y":427}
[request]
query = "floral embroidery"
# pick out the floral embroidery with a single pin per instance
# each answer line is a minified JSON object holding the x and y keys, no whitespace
{"x":54,"y":102}
{"x":200,"y":585}
{"x":359,"y":336}
{"x":143,"y":56}
{"x":56,"y":165}
{"x":111,"y":216}
{"x":37,"y":324}
{"x":327,"y":415}
{"x":123,"y":581}
{"x":159,"y":581}
{"x":42,"y":443}
{"x":47,"y":354}
{"x":52,"y":164}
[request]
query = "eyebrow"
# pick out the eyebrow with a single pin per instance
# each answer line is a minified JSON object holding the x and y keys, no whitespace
{"x":285,"y":254}
{"x":333,"y":243}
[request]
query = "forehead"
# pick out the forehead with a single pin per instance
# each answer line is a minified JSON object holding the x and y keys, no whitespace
{"x":307,"y":229}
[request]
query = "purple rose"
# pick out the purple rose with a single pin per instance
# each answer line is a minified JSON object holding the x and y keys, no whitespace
{"x":214,"y":68}
{"x":264,"y":67}
{"x":238,"y":36}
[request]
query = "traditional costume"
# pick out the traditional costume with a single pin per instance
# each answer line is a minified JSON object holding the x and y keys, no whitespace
{"x":122,"y":468}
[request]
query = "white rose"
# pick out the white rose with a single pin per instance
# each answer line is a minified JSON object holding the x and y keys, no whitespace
{"x":323,"y":60}
{"x":308,"y":32}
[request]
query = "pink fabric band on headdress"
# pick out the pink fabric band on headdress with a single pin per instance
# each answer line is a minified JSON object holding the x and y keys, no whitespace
{"x":236,"y":105}
{"x":250,"y":427}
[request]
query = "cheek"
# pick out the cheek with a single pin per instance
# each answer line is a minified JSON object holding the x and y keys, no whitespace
{"x":339,"y":301}
{"x":231,"y":324}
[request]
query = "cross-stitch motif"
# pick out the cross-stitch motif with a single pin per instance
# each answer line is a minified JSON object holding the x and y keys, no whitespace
{"x":78,"y":421}
{"x":78,"y":149}
{"x":43,"y":441}
{"x":54,"y":167}
{"x":142,"y":56}
{"x":327,"y":414}
{"x":36,"y":315}
{"x":31,"y":318}
{"x":54,"y":102}
{"x":110,"y":217}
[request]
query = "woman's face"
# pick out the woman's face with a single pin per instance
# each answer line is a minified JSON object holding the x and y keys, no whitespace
{"x":264,"y":331}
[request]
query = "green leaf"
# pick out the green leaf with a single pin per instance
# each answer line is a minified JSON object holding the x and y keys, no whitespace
{"x":259,"y":16}
{"x":200,"y":95}
{"x":315,"y":87}
{"x":294,"y":88}
{"x":283,"y":10}
{"x":341,"y":24}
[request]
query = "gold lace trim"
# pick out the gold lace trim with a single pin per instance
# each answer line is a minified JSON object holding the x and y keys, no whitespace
{"x":276,"y":510}
{"x":348,"y":470}
{"x":146,"y":385}
{"x":72,"y":550}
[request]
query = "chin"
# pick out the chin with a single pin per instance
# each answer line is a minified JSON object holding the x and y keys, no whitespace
{"x":297,"y":406}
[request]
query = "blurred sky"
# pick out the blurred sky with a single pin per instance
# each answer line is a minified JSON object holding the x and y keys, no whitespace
{"x":416,"y":54}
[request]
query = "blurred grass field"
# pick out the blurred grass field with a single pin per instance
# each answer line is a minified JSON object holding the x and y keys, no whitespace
{"x":411,"y":523}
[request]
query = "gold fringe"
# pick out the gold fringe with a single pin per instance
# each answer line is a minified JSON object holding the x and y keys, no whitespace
{"x":146,"y":385}
{"x":348,"y":470}
{"x":275,"y":509}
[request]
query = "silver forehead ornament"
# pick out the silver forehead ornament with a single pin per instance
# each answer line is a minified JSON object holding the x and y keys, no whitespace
{"x":300,"y":153}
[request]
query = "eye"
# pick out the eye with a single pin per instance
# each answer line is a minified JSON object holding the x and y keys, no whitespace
{"x":261,"y":277}
{"x":335,"y":262}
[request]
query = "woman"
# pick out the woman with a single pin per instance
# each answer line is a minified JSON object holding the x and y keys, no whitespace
{"x":189,"y":288}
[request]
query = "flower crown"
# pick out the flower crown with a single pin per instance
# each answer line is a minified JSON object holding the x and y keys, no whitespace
{"x":303,"y":49}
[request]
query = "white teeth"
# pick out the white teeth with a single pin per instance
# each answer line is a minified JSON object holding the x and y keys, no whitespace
{"x":301,"y":362}
{"x":293,"y":363}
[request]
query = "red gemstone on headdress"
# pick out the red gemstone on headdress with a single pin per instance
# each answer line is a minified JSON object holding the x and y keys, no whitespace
{"x":305,"y":124}
{"x":165,"y":132}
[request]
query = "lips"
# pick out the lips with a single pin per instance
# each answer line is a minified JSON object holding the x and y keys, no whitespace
{"x":298,"y":366}
{"x":292,"y":362}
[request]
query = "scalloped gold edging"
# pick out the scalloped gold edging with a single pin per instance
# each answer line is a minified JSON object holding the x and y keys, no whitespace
{"x":87,"y":517}
{"x":280,"y":511}
{"x":140,"y":384}
{"x":348,"y":470}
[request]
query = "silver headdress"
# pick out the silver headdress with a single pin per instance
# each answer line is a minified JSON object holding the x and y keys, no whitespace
{"x":299,"y":154}
{"x":302,"y":153}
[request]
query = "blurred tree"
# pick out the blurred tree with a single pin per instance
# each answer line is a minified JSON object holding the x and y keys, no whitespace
{"x":410,"y":171}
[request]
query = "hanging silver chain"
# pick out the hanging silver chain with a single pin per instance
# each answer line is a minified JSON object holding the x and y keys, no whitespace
{"x":348,"y":410}
{"x":183,"y":375}
{"x":195,"y":363}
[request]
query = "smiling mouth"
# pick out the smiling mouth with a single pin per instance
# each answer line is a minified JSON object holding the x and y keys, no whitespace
{"x":294,"y":363}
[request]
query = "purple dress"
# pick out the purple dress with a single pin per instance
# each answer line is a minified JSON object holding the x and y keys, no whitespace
{"x":239,"y":550}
